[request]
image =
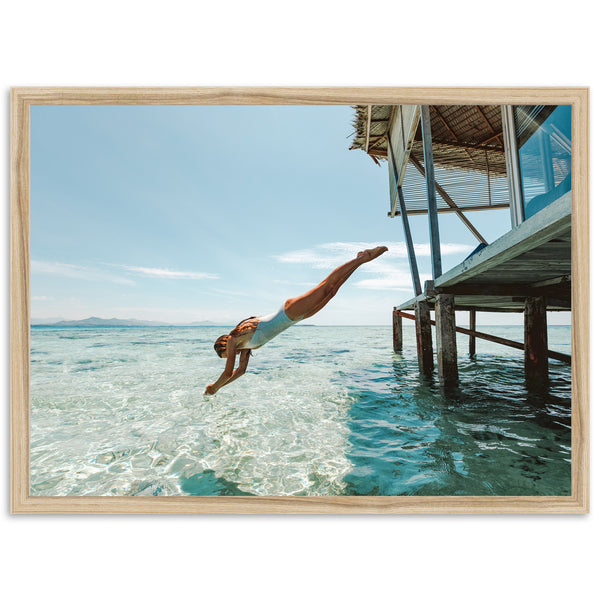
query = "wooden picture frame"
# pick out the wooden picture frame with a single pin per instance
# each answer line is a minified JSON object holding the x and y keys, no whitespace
{"x":21,"y":101}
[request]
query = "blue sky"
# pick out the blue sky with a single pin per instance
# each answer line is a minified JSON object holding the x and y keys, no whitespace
{"x":193,"y":213}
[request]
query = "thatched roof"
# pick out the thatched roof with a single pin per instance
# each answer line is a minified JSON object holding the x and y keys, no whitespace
{"x":464,"y":136}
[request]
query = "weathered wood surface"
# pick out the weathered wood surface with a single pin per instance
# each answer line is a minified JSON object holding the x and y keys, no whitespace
{"x":397,"y":331}
{"x":536,"y":339}
{"x":554,"y":222}
{"x":447,"y":360}
{"x":23,"y":98}
{"x":472,"y":327}
{"x":424,"y":339}
{"x":566,"y":358}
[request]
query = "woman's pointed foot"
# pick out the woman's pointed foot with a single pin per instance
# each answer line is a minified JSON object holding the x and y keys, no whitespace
{"x":372,"y":253}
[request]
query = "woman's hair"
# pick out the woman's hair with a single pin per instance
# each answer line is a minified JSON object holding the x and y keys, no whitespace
{"x":221,"y":344}
{"x":239,"y":329}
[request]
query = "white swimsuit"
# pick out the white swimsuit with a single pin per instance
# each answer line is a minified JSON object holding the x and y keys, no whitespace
{"x":269,"y":327}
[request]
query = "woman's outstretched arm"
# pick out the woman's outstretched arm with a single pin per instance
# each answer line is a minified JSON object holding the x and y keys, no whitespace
{"x":244,"y":358}
{"x":229,"y":374}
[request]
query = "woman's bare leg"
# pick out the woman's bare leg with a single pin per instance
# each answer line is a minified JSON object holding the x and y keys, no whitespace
{"x":314,"y":300}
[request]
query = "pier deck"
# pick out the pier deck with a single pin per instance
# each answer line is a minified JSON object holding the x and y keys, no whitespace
{"x":531,"y":260}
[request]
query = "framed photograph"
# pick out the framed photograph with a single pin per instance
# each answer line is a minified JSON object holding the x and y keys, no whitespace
{"x":299,"y":300}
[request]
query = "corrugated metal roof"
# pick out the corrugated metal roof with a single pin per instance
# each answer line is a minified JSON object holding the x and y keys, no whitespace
{"x":468,"y":154}
{"x":471,"y":187}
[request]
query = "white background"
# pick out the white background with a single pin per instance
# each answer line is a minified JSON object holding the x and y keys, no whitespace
{"x":461,"y":43}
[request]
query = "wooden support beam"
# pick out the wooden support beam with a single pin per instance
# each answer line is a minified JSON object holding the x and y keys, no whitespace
{"x":554,"y":281}
{"x":442,"y":192}
{"x":472,"y":338}
{"x":447,"y":359}
{"x":478,"y":108}
{"x":517,"y":290}
{"x":434,"y":229}
{"x":536,"y":339}
{"x":493,"y":338}
{"x":424,"y":339}
{"x":488,"y":140}
{"x":397,"y":327}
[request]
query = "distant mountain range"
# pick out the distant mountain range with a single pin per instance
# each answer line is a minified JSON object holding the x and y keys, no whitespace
{"x":97,"y":322}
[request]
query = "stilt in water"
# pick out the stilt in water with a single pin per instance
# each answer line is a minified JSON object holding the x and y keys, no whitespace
{"x":472,"y":324}
{"x":536,"y":340}
{"x":424,"y":340}
{"x":397,"y":324}
{"x":445,"y":326}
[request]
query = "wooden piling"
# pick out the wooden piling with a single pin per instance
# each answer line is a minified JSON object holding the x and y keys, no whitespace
{"x":446,"y":339}
{"x":536,"y":339}
{"x":472,"y":327}
{"x":424,"y":339}
{"x":565,"y":358}
{"x":397,"y":326}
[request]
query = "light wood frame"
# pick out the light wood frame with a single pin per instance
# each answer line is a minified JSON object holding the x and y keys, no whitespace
{"x":21,"y":101}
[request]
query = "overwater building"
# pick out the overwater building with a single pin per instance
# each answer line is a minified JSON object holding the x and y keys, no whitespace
{"x":461,"y":158}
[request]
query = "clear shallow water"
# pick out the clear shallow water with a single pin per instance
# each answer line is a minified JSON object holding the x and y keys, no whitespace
{"x":320,"y":411}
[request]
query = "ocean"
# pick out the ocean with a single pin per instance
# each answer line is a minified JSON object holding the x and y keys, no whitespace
{"x":321,"y":411}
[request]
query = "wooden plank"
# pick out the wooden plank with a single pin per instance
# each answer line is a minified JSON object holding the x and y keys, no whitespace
{"x":552,"y":282}
{"x":447,"y":360}
{"x":551,"y":222}
{"x":424,"y":339}
{"x":536,"y":340}
{"x":434,"y":228}
{"x":19,"y":305}
{"x":517,"y":289}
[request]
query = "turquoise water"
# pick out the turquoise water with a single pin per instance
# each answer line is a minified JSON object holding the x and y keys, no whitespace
{"x":321,"y":411}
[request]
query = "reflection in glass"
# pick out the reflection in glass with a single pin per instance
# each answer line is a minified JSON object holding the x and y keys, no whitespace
{"x":544,"y":140}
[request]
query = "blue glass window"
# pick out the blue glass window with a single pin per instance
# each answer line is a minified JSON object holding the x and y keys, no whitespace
{"x":544,"y":141}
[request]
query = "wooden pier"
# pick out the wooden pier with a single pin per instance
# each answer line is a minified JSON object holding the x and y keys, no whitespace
{"x":527,"y":270}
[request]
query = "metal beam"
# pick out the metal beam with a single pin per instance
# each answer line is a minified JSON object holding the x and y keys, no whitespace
{"x":434,"y":228}
{"x":419,"y":211}
{"x":412,"y":259}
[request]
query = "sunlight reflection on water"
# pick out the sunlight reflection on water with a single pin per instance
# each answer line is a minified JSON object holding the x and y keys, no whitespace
{"x":321,"y":411}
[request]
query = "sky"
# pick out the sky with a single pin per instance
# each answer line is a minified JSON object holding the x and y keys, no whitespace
{"x":192,"y":213}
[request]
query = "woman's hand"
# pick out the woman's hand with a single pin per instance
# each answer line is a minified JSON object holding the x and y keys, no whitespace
{"x":210,"y":390}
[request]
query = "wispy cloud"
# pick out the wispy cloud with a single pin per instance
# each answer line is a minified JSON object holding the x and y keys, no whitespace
{"x":385,"y":272}
{"x":93,"y":273}
{"x":76,"y":272}
{"x":168,"y":273}
{"x":333,"y":254}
